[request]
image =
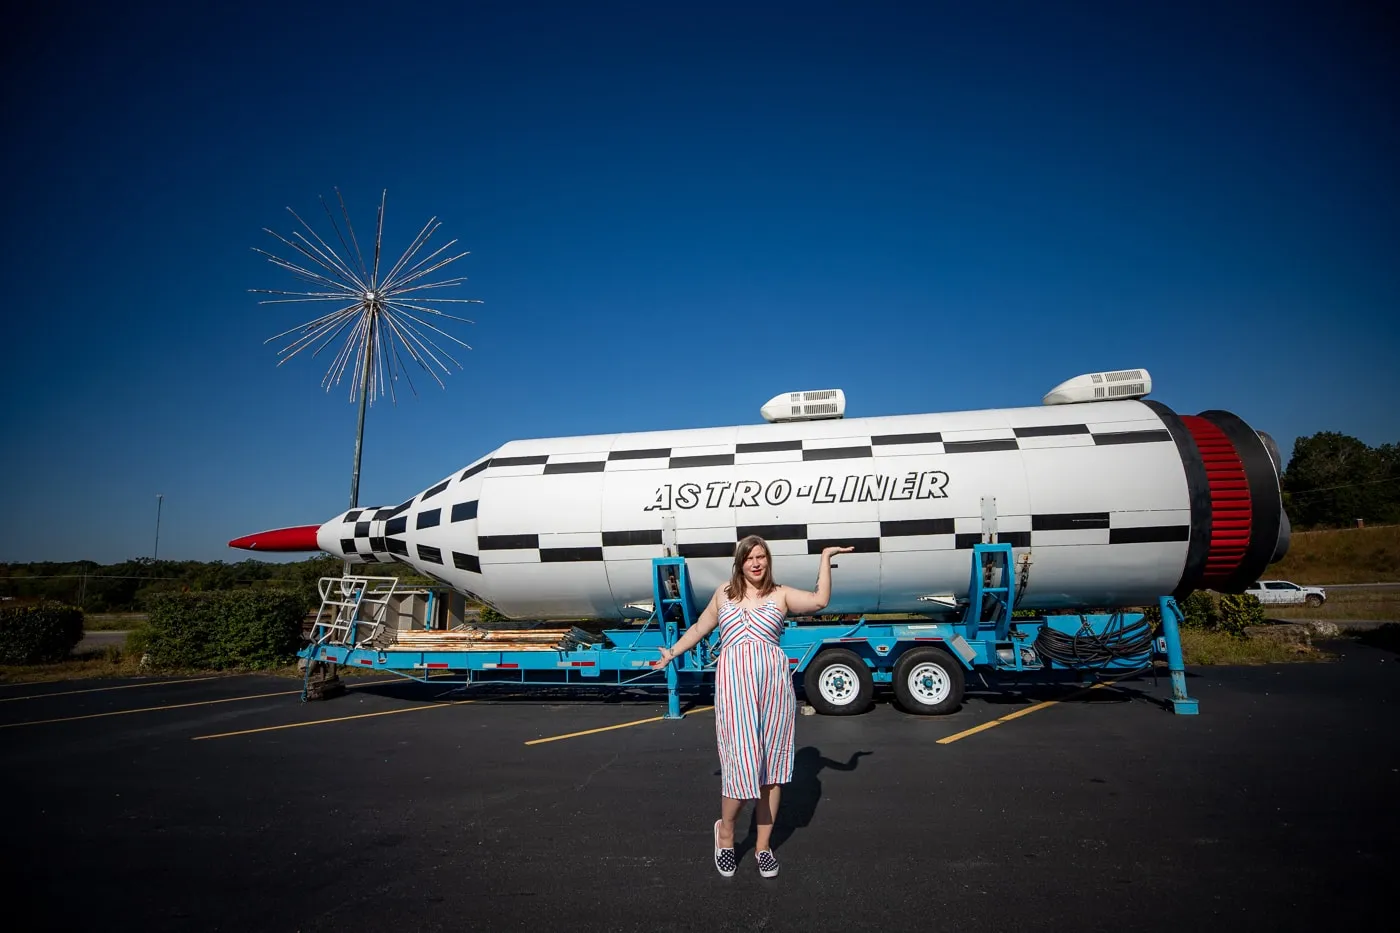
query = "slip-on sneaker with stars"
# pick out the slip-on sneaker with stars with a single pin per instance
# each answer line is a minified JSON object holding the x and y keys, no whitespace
{"x":767,"y":863}
{"x":725,"y":862}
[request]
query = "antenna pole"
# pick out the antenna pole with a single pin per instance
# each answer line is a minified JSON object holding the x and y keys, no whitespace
{"x":381,"y":320}
{"x":360,"y":427}
{"x":155,"y":553}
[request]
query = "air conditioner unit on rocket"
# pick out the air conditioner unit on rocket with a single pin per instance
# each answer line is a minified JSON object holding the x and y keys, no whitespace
{"x":815,"y":405}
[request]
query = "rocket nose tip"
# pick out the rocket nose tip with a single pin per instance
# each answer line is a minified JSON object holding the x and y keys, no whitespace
{"x":300,"y":538}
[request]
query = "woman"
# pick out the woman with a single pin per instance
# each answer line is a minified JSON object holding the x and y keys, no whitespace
{"x":754,"y":703}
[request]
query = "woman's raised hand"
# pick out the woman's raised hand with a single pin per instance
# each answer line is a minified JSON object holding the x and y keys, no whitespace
{"x":829,"y":552}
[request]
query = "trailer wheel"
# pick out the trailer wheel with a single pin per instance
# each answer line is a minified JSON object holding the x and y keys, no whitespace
{"x":838,"y":683}
{"x":928,"y":682}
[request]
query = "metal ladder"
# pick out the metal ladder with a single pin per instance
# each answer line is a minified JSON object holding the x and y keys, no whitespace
{"x":343,"y":602}
{"x":986,"y":560}
{"x":353,"y":601}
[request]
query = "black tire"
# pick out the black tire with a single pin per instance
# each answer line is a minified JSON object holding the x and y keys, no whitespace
{"x":1314,"y":600}
{"x":838,"y":683}
{"x":928,"y":682}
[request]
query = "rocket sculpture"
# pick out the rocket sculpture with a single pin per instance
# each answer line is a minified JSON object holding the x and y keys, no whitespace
{"x":1107,"y":500}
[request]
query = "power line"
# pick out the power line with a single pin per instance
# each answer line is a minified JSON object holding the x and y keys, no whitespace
{"x":76,"y":576}
{"x":19,"y":578}
{"x":1373,"y":482}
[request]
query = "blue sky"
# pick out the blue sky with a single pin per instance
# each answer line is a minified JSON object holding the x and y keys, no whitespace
{"x":674,"y":212}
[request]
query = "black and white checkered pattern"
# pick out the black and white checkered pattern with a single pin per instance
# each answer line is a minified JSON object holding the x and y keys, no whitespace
{"x":399,"y":523}
{"x":356,"y":540}
{"x":865,"y":537}
{"x":810,"y":449}
{"x":726,"y":862}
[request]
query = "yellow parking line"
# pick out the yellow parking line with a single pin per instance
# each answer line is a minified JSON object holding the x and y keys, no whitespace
{"x":621,"y":725}
{"x":1026,"y":711}
{"x":949,"y":739}
{"x":973,"y":731}
{"x":147,"y":709}
{"x":318,"y":722}
{"x":69,"y":693}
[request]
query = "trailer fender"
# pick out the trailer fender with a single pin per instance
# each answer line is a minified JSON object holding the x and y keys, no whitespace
{"x":956,"y":645}
{"x":877,"y":653}
{"x":881,"y":652}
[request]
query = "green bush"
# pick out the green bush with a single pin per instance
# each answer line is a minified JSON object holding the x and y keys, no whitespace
{"x":1238,"y":612}
{"x":490,"y":616}
{"x":1230,"y":615}
{"x":39,"y":634}
{"x":1200,"y":610}
{"x":138,"y":641}
{"x":224,"y":629}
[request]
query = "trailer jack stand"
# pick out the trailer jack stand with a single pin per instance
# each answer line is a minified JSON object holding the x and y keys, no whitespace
{"x":673,"y":699}
{"x":1182,"y":703}
{"x":322,"y":681}
{"x":672,"y":596}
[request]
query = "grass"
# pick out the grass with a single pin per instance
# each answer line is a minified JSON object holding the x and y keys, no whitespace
{"x":1344,"y":555}
{"x":1201,"y":648}
{"x":85,"y":665}
{"x":1345,"y":604}
{"x":111,"y":661}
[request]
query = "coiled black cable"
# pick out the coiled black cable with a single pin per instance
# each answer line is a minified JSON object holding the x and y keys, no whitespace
{"x":1120,"y":643}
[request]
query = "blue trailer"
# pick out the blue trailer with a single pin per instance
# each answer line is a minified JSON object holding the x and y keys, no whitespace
{"x":925,"y":660}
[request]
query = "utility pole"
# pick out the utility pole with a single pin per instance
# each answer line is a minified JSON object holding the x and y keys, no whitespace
{"x":156,"y":552}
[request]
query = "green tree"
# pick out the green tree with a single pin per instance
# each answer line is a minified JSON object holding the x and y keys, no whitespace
{"x":1333,"y":479}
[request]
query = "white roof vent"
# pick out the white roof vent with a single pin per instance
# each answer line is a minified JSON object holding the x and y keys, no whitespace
{"x":818,"y":405}
{"x":1101,"y":387}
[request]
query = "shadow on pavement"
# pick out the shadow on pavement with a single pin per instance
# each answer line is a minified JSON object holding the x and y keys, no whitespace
{"x":525,"y":695}
{"x":800,"y":797}
{"x":1385,"y":637}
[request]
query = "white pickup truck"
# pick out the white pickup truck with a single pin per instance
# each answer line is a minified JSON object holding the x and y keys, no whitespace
{"x":1283,"y":593}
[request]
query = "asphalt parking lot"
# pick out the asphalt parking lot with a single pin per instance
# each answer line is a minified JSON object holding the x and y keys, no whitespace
{"x":227,"y":804}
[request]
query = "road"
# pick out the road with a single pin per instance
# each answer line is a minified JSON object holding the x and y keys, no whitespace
{"x":96,"y":641}
{"x":227,"y":804}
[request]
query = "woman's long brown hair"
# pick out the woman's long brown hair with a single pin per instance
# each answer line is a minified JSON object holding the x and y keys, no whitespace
{"x":737,"y":581}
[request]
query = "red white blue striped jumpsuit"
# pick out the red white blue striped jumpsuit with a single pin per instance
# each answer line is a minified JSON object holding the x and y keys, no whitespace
{"x":755,"y":706}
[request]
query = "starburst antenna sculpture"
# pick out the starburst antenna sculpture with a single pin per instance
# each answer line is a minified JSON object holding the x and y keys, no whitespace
{"x":380,"y":317}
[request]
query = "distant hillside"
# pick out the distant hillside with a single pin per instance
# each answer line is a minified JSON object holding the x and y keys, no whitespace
{"x":1347,"y":555}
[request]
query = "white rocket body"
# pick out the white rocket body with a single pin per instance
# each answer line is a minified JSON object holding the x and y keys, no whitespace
{"x":1112,"y":504}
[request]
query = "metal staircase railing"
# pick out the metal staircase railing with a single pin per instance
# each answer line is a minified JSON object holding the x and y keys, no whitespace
{"x":347,"y":604}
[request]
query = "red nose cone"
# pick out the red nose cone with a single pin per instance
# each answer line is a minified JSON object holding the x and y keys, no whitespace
{"x":302,"y":538}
